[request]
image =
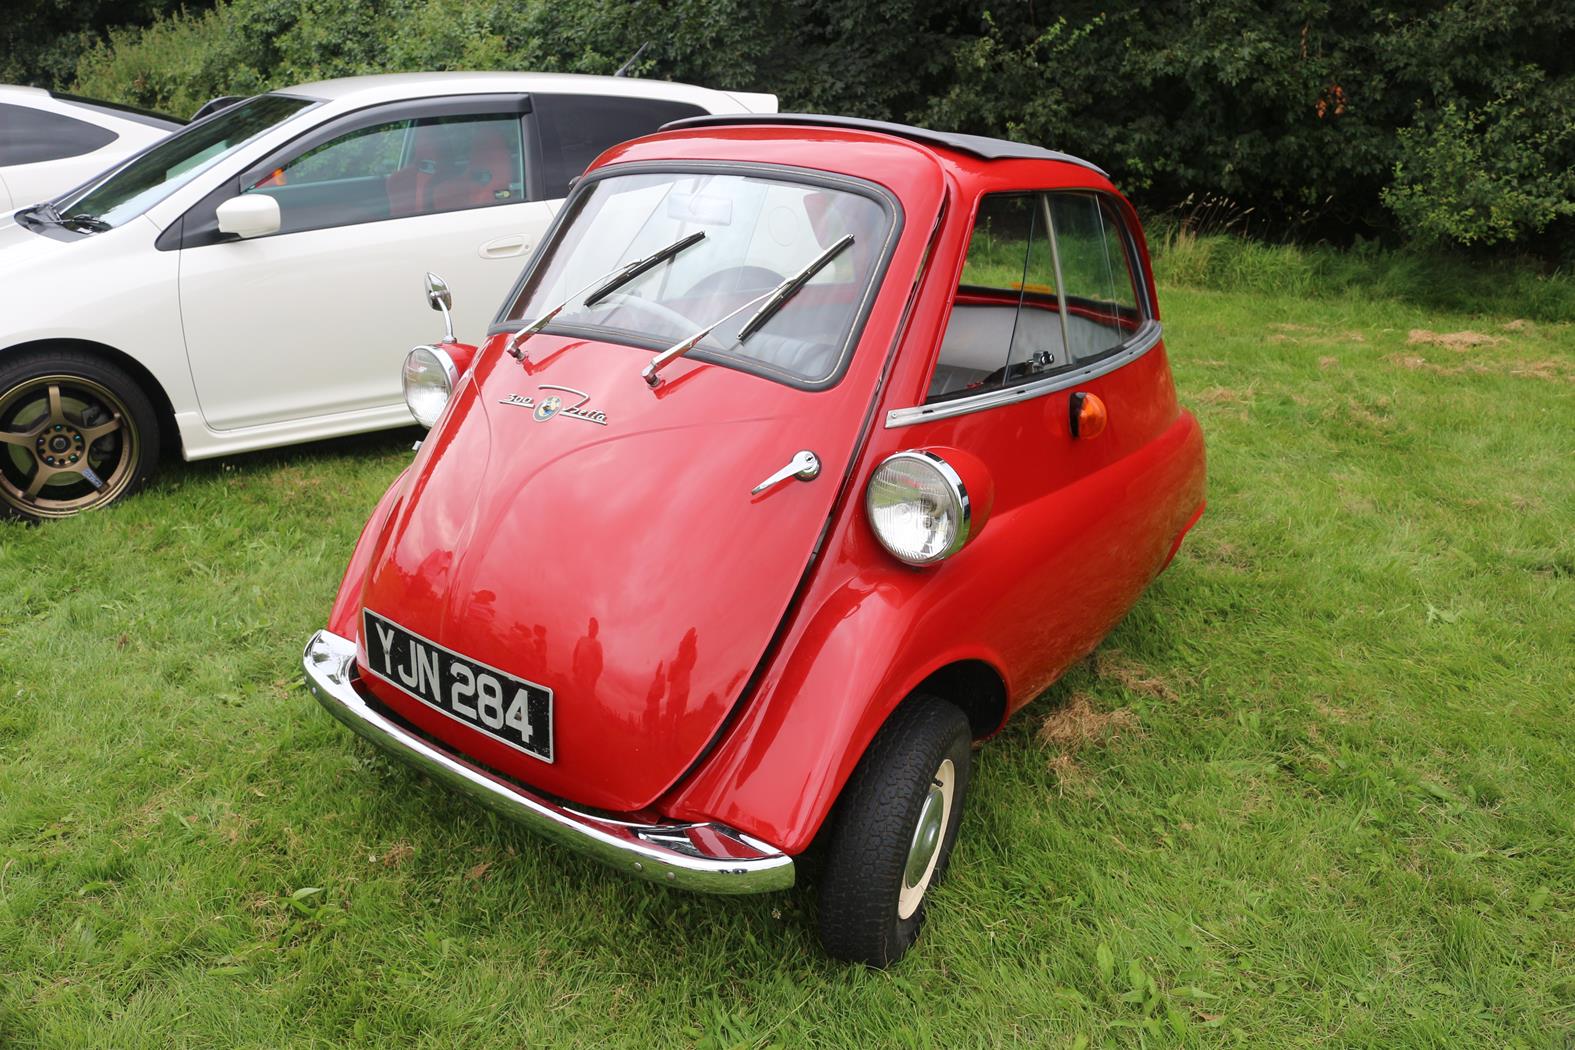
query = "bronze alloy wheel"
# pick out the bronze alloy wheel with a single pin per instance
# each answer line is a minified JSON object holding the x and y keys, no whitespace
{"x":68,"y":443}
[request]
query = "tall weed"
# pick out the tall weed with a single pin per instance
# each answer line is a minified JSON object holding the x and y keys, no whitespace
{"x":1434,"y":279}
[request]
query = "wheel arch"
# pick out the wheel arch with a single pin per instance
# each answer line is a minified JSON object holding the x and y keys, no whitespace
{"x":169,"y":431}
{"x":973,"y":685}
{"x":815,"y":720}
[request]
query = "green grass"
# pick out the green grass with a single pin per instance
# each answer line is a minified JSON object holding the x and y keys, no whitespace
{"x":1449,"y":282}
{"x":1334,"y":801}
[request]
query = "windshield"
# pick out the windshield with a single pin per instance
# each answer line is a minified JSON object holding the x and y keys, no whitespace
{"x":758,"y":232}
{"x":177,"y":160}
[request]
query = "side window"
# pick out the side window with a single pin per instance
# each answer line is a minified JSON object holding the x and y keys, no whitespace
{"x":1005,"y":324}
{"x":1031,"y":256}
{"x":398,"y":169}
{"x":575,"y":129}
{"x":30,"y":136}
{"x":1101,"y":298}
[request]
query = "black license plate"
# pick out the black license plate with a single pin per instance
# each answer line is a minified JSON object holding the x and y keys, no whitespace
{"x":509,"y":709}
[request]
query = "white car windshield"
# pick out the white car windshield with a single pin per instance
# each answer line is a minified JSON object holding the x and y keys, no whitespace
{"x":168,"y":166}
{"x":758,"y":232}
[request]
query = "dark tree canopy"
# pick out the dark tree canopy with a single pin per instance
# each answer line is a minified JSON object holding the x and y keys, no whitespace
{"x":1438,"y":120}
{"x":41,"y":40}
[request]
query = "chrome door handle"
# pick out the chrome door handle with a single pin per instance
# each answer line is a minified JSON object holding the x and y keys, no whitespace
{"x":804,"y":466}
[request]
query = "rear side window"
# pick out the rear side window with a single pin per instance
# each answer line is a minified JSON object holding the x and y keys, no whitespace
{"x":1101,"y":298}
{"x":29,"y":136}
{"x":1047,"y":283}
{"x":575,"y":129}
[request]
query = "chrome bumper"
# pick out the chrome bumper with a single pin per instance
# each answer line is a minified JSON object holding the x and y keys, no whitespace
{"x":710,"y":858}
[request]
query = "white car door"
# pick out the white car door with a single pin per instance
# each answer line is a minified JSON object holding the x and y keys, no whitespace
{"x":314,"y":320}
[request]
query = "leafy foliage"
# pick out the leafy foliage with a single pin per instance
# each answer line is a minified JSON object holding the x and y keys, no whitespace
{"x":1445,"y":121}
{"x":40,"y":40}
{"x":1489,"y":174}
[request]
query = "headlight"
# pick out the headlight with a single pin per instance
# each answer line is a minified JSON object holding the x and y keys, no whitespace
{"x":429,"y":380}
{"x":918,"y":507}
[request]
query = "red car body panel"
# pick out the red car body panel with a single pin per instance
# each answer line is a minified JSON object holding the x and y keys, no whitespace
{"x":651,"y":633}
{"x":725,"y":657}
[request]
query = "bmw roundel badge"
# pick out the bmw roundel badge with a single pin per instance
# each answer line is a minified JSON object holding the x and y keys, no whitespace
{"x":548,"y":408}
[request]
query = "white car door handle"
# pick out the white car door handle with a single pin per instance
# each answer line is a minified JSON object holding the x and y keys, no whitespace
{"x":505,"y":247}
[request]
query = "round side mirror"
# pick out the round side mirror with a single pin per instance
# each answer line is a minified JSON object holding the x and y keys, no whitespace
{"x":438,"y":295}
{"x":439,"y":298}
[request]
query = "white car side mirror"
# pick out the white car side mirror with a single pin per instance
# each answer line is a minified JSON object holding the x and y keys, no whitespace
{"x":249,"y":215}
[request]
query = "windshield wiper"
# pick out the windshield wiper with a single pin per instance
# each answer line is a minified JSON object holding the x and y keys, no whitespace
{"x":604,"y":286}
{"x":44,"y":212}
{"x":47,"y":212}
{"x":85,"y":222}
{"x":774,"y":300}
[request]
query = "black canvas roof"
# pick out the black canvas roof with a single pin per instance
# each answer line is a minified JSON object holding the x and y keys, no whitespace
{"x":977,"y":145}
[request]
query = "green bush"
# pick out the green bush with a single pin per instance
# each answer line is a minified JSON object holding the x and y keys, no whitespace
{"x":1491,"y":174}
{"x":41,"y":40}
{"x":1451,"y":122}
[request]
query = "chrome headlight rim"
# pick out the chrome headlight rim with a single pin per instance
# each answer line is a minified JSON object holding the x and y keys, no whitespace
{"x":450,"y":373}
{"x":961,"y":504}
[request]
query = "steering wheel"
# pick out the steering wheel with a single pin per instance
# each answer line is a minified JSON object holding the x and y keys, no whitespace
{"x":739,"y":279}
{"x":656,"y":310}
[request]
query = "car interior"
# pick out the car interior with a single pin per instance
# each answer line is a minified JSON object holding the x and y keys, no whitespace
{"x":987,"y":334}
{"x":397,"y":171}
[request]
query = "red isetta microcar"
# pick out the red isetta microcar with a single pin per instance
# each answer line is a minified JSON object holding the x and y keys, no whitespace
{"x":805,"y":451}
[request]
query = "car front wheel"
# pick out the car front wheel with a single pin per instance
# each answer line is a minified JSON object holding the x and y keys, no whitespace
{"x":76,"y":433}
{"x":893,"y":832}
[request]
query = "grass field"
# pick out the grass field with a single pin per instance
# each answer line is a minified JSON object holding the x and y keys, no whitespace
{"x":1319,"y":787}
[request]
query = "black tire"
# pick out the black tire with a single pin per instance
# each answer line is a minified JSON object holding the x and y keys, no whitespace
{"x":862,"y":887}
{"x":77,"y":433}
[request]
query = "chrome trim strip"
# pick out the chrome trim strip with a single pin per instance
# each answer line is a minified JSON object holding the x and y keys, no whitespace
{"x":1145,"y":340}
{"x":665,"y":853}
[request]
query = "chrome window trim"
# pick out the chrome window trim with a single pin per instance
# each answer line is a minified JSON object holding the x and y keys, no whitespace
{"x":1146,"y":338}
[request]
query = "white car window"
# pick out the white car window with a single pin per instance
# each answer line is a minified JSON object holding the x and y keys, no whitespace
{"x":398,"y":169}
{"x":575,"y":129}
{"x":159,"y":172}
{"x":32,"y":136}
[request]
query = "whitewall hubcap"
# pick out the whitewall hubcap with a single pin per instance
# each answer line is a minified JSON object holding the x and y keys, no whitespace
{"x":925,"y":850}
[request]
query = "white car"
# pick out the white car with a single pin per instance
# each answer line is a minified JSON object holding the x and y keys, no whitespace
{"x":50,"y":143}
{"x":252,"y":280}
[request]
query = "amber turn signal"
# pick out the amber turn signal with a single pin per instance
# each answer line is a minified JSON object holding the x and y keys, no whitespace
{"x":1088,"y":417}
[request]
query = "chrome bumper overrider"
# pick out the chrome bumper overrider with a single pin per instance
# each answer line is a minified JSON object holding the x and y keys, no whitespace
{"x":711,"y":858}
